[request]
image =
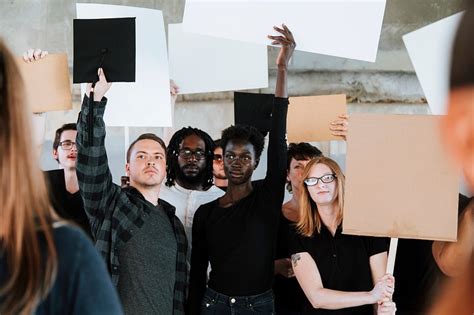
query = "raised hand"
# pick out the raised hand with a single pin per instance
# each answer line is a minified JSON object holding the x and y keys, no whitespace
{"x":287,"y":43}
{"x":340,"y":126}
{"x":174,"y":90}
{"x":101,"y":87}
{"x":34,"y":54}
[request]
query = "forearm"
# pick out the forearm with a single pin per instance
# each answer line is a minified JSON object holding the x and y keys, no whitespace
{"x":277,"y":147}
{"x":281,"y":88}
{"x":93,"y":174}
{"x":332,"y":299}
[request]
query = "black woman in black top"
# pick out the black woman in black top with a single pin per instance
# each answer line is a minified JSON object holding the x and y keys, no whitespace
{"x":337,"y":272}
{"x":237,"y":232}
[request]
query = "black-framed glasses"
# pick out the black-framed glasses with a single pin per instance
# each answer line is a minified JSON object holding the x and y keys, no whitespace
{"x":187,"y":154}
{"x":67,"y":144}
{"x":311,"y":181}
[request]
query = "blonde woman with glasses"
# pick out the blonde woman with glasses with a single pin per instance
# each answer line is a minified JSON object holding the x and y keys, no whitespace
{"x":339,"y":274}
{"x":46,"y":266}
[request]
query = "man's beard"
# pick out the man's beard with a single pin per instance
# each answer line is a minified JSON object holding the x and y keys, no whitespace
{"x":193,"y":180}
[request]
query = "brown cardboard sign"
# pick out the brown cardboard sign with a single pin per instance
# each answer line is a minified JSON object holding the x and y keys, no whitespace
{"x":46,"y":82}
{"x":399,"y":180}
{"x":309,"y":117}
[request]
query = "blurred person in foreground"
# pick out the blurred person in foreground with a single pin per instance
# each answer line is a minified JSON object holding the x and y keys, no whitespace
{"x":46,"y":266}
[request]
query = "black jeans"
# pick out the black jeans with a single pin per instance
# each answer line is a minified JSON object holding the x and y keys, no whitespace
{"x":216,"y":303}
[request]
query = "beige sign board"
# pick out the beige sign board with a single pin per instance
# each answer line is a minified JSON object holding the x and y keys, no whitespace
{"x":309,"y":117}
{"x":399,"y":180}
{"x":46,"y":83}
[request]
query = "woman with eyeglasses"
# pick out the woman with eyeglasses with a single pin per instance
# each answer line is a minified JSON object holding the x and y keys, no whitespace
{"x":339,"y":274}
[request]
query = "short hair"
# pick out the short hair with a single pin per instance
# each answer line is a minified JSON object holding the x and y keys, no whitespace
{"x":145,"y":136}
{"x":244,"y":133}
{"x":462,"y":62}
{"x":59,"y":132}
{"x":300,"y":151}
{"x":218,"y":143}
{"x":173,"y":152}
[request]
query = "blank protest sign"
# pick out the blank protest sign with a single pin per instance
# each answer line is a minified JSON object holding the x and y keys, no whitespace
{"x":309,"y":117}
{"x":349,"y":28}
{"x":46,"y":82}
{"x":429,"y":49}
{"x":399,"y":180}
{"x":201,"y":64}
{"x":146,"y":102}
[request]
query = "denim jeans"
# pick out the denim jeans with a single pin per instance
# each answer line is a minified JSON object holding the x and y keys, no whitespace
{"x":216,"y":303}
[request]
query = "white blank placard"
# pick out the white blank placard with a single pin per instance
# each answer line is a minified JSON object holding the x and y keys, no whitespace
{"x":200,"y":63}
{"x":146,"y":102}
{"x":343,"y":28}
{"x":430,"y":49}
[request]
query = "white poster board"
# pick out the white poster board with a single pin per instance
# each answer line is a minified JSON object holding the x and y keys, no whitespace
{"x":343,"y":28}
{"x":430,"y":49}
{"x":201,"y":64}
{"x":146,"y":102}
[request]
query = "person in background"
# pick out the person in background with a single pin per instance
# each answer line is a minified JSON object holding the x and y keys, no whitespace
{"x":189,"y":181}
{"x":46,"y":265}
{"x":289,"y":298}
{"x":220,"y":179}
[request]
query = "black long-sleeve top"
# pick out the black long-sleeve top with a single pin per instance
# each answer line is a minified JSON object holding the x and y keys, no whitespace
{"x":239,"y":241}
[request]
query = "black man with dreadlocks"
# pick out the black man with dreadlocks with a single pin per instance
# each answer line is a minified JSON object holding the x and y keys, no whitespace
{"x":237,"y":232}
{"x":189,"y":182}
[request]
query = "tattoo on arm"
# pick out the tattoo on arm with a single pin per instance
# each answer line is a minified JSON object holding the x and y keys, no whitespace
{"x":295,"y":258}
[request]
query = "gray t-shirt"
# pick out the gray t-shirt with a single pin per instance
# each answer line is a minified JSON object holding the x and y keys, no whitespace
{"x":148,"y":267}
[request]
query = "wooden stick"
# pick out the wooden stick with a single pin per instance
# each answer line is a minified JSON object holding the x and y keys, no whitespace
{"x":392,"y":254}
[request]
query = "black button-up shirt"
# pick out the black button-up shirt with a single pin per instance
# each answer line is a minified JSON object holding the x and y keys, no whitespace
{"x":343,"y":263}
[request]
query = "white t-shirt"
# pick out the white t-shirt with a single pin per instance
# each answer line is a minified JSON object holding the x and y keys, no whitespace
{"x":187,"y":201}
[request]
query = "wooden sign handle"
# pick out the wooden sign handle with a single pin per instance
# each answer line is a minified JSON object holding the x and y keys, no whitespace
{"x":392,"y":254}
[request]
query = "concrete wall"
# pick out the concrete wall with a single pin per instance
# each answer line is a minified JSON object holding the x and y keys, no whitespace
{"x":388,"y":85}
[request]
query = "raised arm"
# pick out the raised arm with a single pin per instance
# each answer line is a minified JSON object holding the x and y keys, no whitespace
{"x":307,"y":274}
{"x":93,"y":174}
{"x":276,"y":167}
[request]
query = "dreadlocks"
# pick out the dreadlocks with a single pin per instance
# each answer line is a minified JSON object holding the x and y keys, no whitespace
{"x":173,"y":151}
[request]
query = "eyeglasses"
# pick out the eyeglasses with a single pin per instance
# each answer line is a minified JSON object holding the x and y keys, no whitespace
{"x":231,"y":158}
{"x":187,"y":154}
{"x":311,"y":181}
{"x":67,"y":144}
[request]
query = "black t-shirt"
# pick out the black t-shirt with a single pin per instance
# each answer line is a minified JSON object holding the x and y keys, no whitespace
{"x":343,"y":263}
{"x":239,"y":241}
{"x":68,"y":206}
{"x":288,"y":294}
{"x":416,"y":273}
